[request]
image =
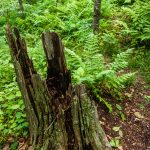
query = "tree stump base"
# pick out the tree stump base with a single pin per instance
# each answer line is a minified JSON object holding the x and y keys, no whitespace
{"x":60,"y":116}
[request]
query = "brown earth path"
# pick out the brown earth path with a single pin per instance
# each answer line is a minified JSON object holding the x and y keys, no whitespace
{"x":134,"y":132}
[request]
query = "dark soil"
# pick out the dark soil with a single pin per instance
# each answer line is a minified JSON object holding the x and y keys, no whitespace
{"x":134,"y":131}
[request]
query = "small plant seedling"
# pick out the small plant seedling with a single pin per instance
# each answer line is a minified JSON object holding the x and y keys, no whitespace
{"x":115,"y":143}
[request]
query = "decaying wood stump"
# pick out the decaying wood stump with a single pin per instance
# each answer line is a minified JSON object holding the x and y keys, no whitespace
{"x":60,"y":116}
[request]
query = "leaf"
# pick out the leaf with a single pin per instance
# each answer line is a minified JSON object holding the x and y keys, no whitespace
{"x":19,"y":127}
{"x":20,"y":120}
{"x":127,"y":1}
{"x":25,"y":133}
{"x":114,"y":143}
{"x":1,"y":99}
{"x":80,"y":71}
{"x":18,"y":115}
{"x":120,"y":133}
{"x":14,"y":125}
{"x":108,"y":106}
{"x":118,"y":107}
{"x":138,"y":115}
{"x":116,"y":129}
{"x":128,"y":95}
{"x":1,"y":112}
{"x":12,"y":96}
{"x":18,"y":94}
{"x":25,"y":124}
{"x":122,"y":116}
{"x":2,"y":127}
{"x":15,"y":107}
{"x":147,"y":98}
{"x":117,"y":142}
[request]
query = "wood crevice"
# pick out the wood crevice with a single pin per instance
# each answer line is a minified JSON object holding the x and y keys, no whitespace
{"x":60,"y":116}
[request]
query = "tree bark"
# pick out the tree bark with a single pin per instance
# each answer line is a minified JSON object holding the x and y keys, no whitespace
{"x":96,"y":16}
{"x":20,"y":5}
{"x":32,"y":1}
{"x":21,"y":8}
{"x":60,"y":116}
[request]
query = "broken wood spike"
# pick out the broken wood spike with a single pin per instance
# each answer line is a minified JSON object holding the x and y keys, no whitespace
{"x":57,"y":74}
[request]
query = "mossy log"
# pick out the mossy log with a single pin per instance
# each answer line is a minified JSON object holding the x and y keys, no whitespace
{"x":60,"y":116}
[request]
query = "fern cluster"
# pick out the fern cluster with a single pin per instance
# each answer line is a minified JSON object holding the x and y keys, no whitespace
{"x":137,"y":21}
{"x":102,"y":78}
{"x":141,"y":19}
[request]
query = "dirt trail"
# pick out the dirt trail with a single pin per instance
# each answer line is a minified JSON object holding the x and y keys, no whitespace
{"x":134,"y":132}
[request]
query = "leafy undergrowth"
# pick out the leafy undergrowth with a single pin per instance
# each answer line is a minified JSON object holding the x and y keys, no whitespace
{"x":12,"y":114}
{"x":130,"y":132}
{"x":134,"y":132}
{"x":102,"y":61}
{"x":101,"y":79}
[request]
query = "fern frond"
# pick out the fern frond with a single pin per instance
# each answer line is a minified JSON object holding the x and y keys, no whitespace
{"x":73,"y":57}
{"x":126,"y":79}
{"x":121,"y":61}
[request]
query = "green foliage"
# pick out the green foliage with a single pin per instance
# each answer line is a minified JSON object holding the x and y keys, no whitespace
{"x":141,"y":62}
{"x":111,"y":43}
{"x":123,"y":2}
{"x":115,"y":143}
{"x":102,"y":79}
{"x":12,"y":115}
{"x":100,"y":61}
{"x":14,"y":145}
{"x":106,"y":8}
{"x":137,"y":19}
{"x":141,"y":20}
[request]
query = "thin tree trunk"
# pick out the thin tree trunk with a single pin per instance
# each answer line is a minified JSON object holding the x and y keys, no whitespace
{"x":20,"y":5}
{"x":21,"y":8}
{"x":32,"y":1}
{"x":96,"y":15}
{"x":60,"y":116}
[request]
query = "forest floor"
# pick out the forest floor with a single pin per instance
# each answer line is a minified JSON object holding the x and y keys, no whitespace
{"x":134,"y":132}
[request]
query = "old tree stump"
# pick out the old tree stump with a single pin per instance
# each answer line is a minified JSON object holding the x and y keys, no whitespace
{"x":60,"y":116}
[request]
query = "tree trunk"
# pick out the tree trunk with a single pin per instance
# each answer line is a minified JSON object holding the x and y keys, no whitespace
{"x":21,"y":8}
{"x":60,"y":116}
{"x":20,"y":5}
{"x":32,"y":1}
{"x":96,"y":16}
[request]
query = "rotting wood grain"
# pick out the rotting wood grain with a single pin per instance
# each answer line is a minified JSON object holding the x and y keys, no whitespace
{"x":60,"y":116}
